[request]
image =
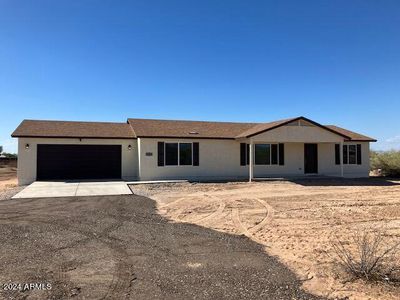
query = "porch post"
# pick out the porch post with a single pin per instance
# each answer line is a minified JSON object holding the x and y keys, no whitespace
{"x":341,"y":158}
{"x":251,"y":161}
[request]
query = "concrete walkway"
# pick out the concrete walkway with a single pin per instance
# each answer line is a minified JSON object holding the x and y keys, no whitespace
{"x":44,"y":189}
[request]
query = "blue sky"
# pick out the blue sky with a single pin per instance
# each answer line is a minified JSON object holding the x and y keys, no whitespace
{"x":336,"y":62}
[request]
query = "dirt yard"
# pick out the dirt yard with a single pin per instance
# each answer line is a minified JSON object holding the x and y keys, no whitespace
{"x":295,"y":221}
{"x":8,"y":177}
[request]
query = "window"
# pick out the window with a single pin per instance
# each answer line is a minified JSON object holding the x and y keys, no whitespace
{"x":262,"y":154}
{"x":268,"y":154}
{"x":351,"y":154}
{"x":171,"y":154}
{"x":178,"y":154}
{"x":185,"y":154}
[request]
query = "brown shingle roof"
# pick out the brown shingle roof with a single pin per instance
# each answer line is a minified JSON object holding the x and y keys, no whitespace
{"x":192,"y":129}
{"x":162,"y":128}
{"x":69,"y":129}
{"x":354,"y":136}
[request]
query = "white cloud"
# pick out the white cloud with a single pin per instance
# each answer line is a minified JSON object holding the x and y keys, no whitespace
{"x":395,"y":139}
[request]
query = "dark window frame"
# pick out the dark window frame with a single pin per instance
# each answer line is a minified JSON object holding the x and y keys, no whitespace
{"x":181,"y":162}
{"x":259,"y":149}
{"x":178,"y":154}
{"x":272,"y":161}
{"x":352,"y":154}
{"x":166,"y":157}
{"x":357,"y":154}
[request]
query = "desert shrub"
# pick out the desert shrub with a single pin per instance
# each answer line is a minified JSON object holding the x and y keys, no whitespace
{"x":387,"y":162}
{"x":370,"y":255}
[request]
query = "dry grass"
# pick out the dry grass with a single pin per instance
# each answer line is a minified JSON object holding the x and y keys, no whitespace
{"x":295,"y":221}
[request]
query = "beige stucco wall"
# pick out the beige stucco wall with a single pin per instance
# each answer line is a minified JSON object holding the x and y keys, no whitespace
{"x":327,"y":166}
{"x":294,"y":163}
{"x":218,"y":159}
{"x":27,"y":157}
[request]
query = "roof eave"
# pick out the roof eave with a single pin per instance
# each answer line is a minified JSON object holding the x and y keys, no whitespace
{"x":185,"y":137}
{"x":360,"y":140}
{"x":71,"y":137}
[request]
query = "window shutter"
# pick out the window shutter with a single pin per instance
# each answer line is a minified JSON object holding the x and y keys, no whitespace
{"x":247,"y":154}
{"x":337,"y":154}
{"x":345,"y":159}
{"x":274,"y":154}
{"x":196,"y":153}
{"x":359,"y":160}
{"x":281,"y":154}
{"x":160,"y":154}
{"x":242,"y":154}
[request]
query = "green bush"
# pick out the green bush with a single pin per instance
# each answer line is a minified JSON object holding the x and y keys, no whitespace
{"x":387,"y":162}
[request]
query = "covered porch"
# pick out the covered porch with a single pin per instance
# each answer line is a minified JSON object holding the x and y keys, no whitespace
{"x":299,"y":148}
{"x":269,"y":160}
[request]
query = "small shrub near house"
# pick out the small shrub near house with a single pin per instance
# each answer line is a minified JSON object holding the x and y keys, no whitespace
{"x":388,"y":163}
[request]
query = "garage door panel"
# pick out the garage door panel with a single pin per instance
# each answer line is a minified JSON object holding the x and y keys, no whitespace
{"x":78,"y":162}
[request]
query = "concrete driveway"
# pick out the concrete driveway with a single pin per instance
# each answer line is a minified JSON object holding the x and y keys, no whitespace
{"x":43,"y":189}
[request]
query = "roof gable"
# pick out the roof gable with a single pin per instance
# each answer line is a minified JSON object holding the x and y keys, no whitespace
{"x":264,"y":127}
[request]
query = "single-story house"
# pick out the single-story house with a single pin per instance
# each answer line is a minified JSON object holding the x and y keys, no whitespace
{"x":144,"y":149}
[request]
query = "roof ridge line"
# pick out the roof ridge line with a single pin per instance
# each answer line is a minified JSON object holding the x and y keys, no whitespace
{"x":200,"y":121}
{"x":103,"y":122}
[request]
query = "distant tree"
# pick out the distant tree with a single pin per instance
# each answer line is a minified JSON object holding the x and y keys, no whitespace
{"x":1,"y":149}
{"x":10,"y":155}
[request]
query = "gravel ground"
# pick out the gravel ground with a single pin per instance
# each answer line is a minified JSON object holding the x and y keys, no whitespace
{"x":120,"y":247}
{"x":8,"y":193}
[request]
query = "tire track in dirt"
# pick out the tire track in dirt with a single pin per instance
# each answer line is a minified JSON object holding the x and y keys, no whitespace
{"x":209,"y":218}
{"x":170,"y":203}
{"x":242,"y":229}
{"x":177,"y":200}
{"x":176,"y":214}
{"x":250,"y":232}
{"x":266,"y":220}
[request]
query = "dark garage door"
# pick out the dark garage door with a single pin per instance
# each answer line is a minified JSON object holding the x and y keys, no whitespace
{"x":78,"y":162}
